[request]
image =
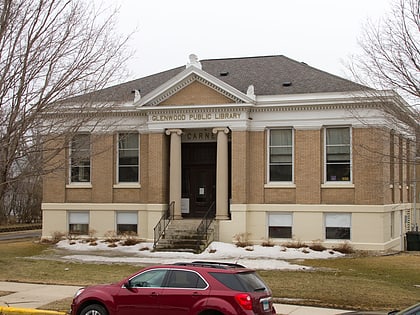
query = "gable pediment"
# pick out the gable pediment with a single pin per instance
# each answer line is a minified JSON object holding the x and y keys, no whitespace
{"x":193,"y":86}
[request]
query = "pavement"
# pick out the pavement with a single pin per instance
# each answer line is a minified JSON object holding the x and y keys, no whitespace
{"x":34,"y":296}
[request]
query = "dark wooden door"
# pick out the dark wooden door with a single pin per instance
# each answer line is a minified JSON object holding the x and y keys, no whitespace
{"x":199,"y":177}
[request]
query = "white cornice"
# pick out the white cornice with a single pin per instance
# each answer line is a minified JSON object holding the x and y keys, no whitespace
{"x":186,"y":77}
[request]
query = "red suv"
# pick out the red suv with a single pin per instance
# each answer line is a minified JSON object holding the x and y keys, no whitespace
{"x":197,"y":288}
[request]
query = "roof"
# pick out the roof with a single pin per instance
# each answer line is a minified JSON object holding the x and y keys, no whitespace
{"x":270,"y":75}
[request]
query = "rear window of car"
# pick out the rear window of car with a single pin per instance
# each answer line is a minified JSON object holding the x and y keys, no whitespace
{"x":243,"y":281}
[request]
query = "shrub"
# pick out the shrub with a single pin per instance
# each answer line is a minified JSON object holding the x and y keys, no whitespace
{"x":295,"y":244}
{"x":111,"y":237}
{"x":241,"y":240}
{"x":344,"y":248}
{"x":317,"y":246}
{"x":267,"y":243}
{"x":130,"y":240}
{"x":91,"y":236}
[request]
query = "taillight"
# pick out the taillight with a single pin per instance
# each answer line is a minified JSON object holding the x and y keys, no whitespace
{"x":244,"y":300}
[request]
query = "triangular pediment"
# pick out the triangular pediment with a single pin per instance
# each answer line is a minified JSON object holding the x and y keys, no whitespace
{"x":193,"y":86}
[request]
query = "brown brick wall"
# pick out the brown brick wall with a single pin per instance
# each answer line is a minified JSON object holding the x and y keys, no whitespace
{"x":240,"y":167}
{"x":338,"y":196}
{"x":54,"y":182}
{"x":103,"y":167}
{"x":257,"y":170}
{"x":158,"y":170}
{"x":308,"y":166}
{"x":196,"y":93}
{"x":369,"y":165}
{"x":280,"y":195}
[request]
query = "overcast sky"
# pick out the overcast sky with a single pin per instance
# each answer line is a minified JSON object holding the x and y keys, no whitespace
{"x":322,"y":33}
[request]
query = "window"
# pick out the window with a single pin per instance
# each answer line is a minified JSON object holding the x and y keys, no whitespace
{"x":185,"y":279}
{"x":280,"y":155}
{"x":338,"y":154}
{"x":128,"y":158}
{"x":127,"y":222}
{"x":151,"y":279}
{"x":80,"y":158}
{"x":280,"y":225}
{"x":243,"y":281}
{"x":79,"y":222}
{"x":337,"y":226}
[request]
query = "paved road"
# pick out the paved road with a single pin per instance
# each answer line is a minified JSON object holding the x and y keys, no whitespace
{"x":6,"y":236}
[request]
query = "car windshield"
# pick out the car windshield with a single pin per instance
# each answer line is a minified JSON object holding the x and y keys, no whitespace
{"x":412,"y":310}
{"x":244,"y":281}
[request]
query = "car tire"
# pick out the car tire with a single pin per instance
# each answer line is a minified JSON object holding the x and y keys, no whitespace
{"x":94,"y":309}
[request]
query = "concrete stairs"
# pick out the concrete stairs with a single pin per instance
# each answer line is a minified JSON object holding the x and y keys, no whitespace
{"x":182,"y":236}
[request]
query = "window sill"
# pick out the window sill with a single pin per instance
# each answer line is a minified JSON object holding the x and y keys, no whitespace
{"x":336,"y":185}
{"x":79,"y":185}
{"x":280,"y":185}
{"x":127,"y":185}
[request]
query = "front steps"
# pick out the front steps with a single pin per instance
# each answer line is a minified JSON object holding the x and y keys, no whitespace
{"x":182,"y":236}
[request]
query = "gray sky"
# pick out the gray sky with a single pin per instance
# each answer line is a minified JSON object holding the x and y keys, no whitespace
{"x":322,"y":33}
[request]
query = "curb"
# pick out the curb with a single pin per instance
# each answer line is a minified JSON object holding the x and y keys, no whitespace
{"x":27,"y":311}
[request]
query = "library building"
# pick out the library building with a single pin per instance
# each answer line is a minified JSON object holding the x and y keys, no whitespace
{"x":259,"y":149}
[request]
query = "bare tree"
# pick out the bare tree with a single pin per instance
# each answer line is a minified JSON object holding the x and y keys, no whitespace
{"x":390,"y":57}
{"x":50,"y":51}
{"x":390,"y":60}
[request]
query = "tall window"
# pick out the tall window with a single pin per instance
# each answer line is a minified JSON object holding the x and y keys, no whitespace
{"x":127,"y":222}
{"x":337,"y":226}
{"x":338,"y":154}
{"x":78,"y":222}
{"x":128,"y":158}
{"x":280,"y":225}
{"x":281,"y":155}
{"x":80,"y":158}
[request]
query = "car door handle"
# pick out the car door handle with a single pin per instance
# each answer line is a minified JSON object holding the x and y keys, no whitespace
{"x":154,"y":293}
{"x":196,"y":294}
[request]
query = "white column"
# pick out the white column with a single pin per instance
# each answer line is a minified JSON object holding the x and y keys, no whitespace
{"x":175,"y":167}
{"x":222,"y":174}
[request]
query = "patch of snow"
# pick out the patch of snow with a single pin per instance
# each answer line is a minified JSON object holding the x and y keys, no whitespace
{"x":256,"y":256}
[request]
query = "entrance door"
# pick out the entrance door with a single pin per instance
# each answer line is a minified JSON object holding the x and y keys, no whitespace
{"x":198,"y":177}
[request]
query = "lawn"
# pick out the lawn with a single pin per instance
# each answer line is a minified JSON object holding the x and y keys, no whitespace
{"x":353,"y":282}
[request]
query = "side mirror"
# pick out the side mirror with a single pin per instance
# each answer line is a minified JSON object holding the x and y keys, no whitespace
{"x":127,"y":285}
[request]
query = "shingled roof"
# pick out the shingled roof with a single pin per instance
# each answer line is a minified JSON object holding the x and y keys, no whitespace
{"x":270,"y":75}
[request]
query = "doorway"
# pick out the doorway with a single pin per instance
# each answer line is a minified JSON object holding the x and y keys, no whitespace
{"x":198,"y":178}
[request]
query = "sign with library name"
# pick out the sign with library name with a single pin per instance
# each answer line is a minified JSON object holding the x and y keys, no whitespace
{"x":196,"y":116}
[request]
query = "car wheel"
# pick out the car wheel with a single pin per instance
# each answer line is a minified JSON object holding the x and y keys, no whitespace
{"x":94,"y":309}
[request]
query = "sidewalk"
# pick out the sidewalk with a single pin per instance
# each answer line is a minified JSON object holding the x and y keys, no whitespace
{"x":31,"y":296}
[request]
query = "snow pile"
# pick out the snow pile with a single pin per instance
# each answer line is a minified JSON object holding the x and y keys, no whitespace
{"x":256,"y":256}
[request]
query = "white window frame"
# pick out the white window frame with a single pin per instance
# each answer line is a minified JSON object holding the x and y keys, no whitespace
{"x":71,"y":161}
{"x":344,"y":222}
{"x":120,"y":220}
{"x":118,"y":159}
{"x":329,"y":182}
{"x":78,"y":218}
{"x":269,"y":181}
{"x":281,"y":217}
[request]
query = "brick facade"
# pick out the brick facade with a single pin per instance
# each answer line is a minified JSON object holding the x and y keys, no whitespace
{"x":377,"y":194}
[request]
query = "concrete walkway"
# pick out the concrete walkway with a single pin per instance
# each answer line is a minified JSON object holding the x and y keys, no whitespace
{"x":31,"y":296}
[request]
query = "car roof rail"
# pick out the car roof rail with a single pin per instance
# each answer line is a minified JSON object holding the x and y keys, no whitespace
{"x":210,"y":264}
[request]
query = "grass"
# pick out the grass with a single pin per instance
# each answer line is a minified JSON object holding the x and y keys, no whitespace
{"x":354,"y":282}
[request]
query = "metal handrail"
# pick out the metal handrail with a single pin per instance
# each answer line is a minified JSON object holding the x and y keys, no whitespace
{"x":203,"y":227}
{"x":161,"y":226}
